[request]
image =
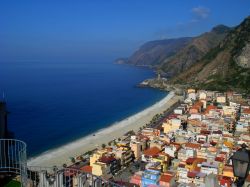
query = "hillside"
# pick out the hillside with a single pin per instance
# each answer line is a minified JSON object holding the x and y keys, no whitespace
{"x":194,"y":51}
{"x":152,"y":53}
{"x":226,"y":66}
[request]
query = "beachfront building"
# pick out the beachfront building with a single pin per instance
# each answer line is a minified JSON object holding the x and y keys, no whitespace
{"x":106,"y":166}
{"x":125,"y":155}
{"x":150,"y":132}
{"x":96,"y":156}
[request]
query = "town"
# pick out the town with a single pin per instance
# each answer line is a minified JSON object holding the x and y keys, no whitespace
{"x":202,"y":140}
{"x":187,"y":147}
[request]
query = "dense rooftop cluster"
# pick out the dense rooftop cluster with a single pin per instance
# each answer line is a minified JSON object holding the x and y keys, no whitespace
{"x":193,"y":144}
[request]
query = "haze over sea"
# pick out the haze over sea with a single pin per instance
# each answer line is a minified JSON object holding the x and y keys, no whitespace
{"x":53,"y":103}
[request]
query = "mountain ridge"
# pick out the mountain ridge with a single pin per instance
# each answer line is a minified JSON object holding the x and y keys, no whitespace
{"x":172,"y":56}
{"x":224,"y":67}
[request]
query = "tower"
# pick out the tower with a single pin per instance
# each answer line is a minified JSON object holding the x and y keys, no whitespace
{"x":3,"y":121}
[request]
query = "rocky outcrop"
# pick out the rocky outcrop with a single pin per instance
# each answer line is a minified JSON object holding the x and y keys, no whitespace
{"x":243,"y":59}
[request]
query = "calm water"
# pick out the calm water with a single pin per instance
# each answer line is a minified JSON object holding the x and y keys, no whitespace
{"x":55,"y":103}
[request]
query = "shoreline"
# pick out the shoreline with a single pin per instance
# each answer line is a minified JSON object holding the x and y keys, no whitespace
{"x":61,"y":155}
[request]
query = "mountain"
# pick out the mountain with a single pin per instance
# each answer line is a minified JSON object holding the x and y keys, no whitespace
{"x":226,"y":66}
{"x":152,"y":53}
{"x":172,"y":56}
{"x":194,"y":51}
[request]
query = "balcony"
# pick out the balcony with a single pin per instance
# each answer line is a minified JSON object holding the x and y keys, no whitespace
{"x":14,"y":170}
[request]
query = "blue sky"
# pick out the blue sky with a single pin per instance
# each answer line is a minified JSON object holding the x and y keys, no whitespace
{"x":48,"y":30}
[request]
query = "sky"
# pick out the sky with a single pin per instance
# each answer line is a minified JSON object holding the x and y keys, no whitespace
{"x":77,"y":30}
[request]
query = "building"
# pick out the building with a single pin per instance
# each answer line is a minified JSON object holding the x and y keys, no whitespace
{"x":96,"y":156}
{"x":150,"y":177}
{"x":125,"y":155}
{"x":202,"y":95}
{"x":210,"y":167}
{"x":106,"y":166}
{"x":136,"y":178}
{"x":150,"y":153}
{"x":221,"y":99}
{"x":138,"y":147}
{"x":3,"y":121}
{"x":167,"y":180}
{"x":171,"y":125}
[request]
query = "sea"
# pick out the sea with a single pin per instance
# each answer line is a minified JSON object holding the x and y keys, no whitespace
{"x":53,"y":103}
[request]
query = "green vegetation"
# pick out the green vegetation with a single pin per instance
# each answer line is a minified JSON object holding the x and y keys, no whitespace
{"x":13,"y":183}
{"x":212,"y":54}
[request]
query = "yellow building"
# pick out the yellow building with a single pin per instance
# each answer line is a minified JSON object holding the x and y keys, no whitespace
{"x":163,"y":160}
{"x":100,"y":169}
{"x":228,"y":171}
{"x":221,"y":99}
{"x":229,"y":111}
{"x":171,"y":125}
{"x":98,"y":154}
{"x":192,"y":163}
{"x":191,"y":90}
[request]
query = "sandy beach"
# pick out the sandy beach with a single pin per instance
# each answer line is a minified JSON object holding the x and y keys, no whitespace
{"x":61,"y":155}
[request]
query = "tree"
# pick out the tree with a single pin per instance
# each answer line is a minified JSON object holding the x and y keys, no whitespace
{"x":73,"y":160}
{"x":103,"y":145}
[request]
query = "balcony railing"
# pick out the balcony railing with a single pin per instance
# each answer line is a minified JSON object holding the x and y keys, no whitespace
{"x":13,"y":160}
{"x":13,"y":165}
{"x":64,"y":177}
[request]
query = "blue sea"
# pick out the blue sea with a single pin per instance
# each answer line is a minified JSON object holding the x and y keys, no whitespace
{"x":54,"y":103}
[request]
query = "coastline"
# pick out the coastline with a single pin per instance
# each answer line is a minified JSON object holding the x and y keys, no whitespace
{"x":61,"y":155}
